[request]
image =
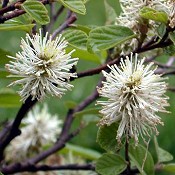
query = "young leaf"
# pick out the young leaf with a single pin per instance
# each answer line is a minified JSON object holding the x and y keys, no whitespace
{"x":161,"y":29}
{"x":170,"y":168}
{"x":137,"y":155}
{"x":106,"y":137}
{"x":110,"y":13}
{"x":16,"y":25}
{"x":37,"y":11}
{"x":110,"y":164}
{"x":9,"y":99}
{"x":76,"y":38}
{"x":162,"y":155}
{"x":154,"y":15}
{"x":105,"y":37}
{"x":76,"y":6}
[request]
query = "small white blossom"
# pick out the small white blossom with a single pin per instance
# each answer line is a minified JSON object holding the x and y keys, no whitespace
{"x":39,"y":129}
{"x":134,"y":95}
{"x":43,"y":67}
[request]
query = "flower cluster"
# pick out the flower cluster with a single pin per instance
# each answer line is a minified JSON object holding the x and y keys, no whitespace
{"x":39,"y":129}
{"x":134,"y":95}
{"x":43,"y":67}
{"x":130,"y":11}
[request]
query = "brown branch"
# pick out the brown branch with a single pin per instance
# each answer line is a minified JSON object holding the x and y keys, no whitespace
{"x":54,"y":17}
{"x":9,"y":8}
{"x":5,"y":3}
{"x":11,"y":15}
{"x":117,"y":60}
{"x":14,"y":129}
{"x":35,"y":168}
{"x":71,"y":19}
{"x":64,"y":137}
{"x":15,"y":12}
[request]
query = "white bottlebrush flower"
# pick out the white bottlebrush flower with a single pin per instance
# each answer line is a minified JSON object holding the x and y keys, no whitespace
{"x":43,"y":67}
{"x":39,"y":129}
{"x":130,"y":16}
{"x":134,"y":95}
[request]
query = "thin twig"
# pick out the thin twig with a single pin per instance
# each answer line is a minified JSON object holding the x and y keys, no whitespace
{"x":11,"y":7}
{"x":15,"y":13}
{"x":35,"y":168}
{"x":116,"y":61}
{"x":60,"y":10}
{"x":65,"y":25}
{"x":54,"y":17}
{"x":64,"y":137}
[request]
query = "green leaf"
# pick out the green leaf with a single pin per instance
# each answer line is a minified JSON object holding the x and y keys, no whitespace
{"x":16,"y":25}
{"x":76,"y":38}
{"x":76,"y":6}
{"x":172,"y":37}
{"x":37,"y":11}
{"x":110,"y":13}
{"x":105,"y":37}
{"x":81,"y":151}
{"x":137,"y":155}
{"x":9,"y":99}
{"x":161,"y":29}
{"x":110,"y":164}
{"x":154,"y":15}
{"x":85,"y":55}
{"x":106,"y":137}
{"x":170,"y":50}
{"x":83,"y":28}
{"x":162,"y":155}
{"x":170,"y":168}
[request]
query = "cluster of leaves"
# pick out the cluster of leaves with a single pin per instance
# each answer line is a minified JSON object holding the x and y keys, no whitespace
{"x":113,"y":163}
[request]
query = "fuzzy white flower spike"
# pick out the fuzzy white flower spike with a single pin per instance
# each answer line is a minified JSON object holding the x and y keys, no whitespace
{"x":134,"y":95}
{"x":43,"y":67}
